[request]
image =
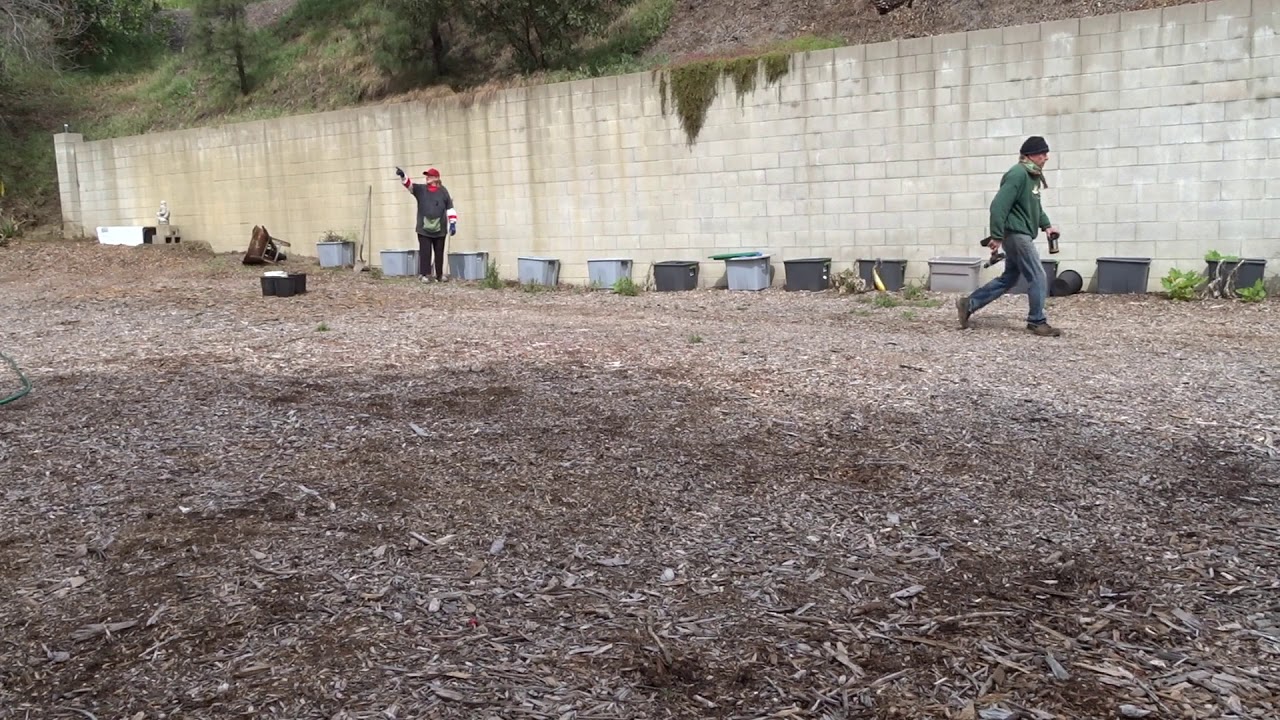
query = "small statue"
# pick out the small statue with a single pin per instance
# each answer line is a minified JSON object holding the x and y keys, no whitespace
{"x":163,"y":215}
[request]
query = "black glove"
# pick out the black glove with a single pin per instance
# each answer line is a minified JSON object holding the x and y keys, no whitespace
{"x":399,"y":173}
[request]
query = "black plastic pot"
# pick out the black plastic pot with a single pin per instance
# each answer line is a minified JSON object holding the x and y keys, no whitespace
{"x":893,"y":273}
{"x":1022,"y":287}
{"x":675,"y":275}
{"x":1123,"y":275}
{"x":1247,"y":272}
{"x":1068,"y":282}
{"x":292,"y":284}
{"x":812,"y":274}
{"x":268,"y":286}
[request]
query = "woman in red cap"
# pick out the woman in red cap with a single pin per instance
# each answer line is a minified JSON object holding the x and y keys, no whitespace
{"x":435,"y":216}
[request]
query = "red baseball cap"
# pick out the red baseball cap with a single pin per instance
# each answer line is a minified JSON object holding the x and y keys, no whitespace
{"x":432,"y":172}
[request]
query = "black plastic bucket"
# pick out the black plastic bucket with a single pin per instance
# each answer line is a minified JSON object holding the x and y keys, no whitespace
{"x":1068,"y":282}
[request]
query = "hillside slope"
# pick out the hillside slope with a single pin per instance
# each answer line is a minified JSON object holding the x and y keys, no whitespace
{"x":315,"y":55}
{"x":727,"y":26}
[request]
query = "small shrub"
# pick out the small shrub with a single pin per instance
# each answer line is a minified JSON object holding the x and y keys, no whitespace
{"x":913,"y":291}
{"x":695,"y":339}
{"x":492,"y":280}
{"x":1215,"y":256}
{"x":848,"y":282}
{"x":1254,"y":293}
{"x":625,"y":286}
{"x":322,"y":327}
{"x":908,"y":314}
{"x":10,"y":229}
{"x":885,"y":300}
{"x":1181,"y":284}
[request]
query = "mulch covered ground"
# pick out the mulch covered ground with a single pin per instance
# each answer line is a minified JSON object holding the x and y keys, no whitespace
{"x":389,"y":500}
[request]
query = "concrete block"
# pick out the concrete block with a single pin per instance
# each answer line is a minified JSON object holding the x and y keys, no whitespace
{"x":1177,"y":134}
{"x":1220,"y":210}
{"x":1236,"y":130}
{"x":882,"y":50}
{"x":1219,"y":9}
{"x":1247,"y":152}
{"x":1141,"y":19}
{"x":1206,"y":32}
{"x":1183,"y":14}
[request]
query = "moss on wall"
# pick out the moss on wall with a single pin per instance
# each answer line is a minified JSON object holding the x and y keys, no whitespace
{"x":690,"y":89}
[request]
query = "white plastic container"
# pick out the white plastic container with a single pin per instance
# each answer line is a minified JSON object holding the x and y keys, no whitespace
{"x":748,"y":273}
{"x":399,"y":263}
{"x":604,"y":272}
{"x":954,"y":274}
{"x":538,"y":271}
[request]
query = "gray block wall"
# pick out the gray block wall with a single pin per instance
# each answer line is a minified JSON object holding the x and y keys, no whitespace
{"x":1163,"y":124}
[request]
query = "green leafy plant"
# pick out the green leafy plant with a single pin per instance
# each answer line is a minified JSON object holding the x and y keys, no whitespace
{"x":1182,"y":284}
{"x":1254,"y":293}
{"x":913,"y":291}
{"x":1215,"y":256}
{"x":10,"y":229}
{"x":492,"y":280}
{"x":695,"y":339}
{"x":885,"y":300}
{"x":625,"y":286}
{"x":322,"y":327}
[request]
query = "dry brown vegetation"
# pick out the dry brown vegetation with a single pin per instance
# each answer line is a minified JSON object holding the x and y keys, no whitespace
{"x":383,"y":499}
{"x":714,"y":26}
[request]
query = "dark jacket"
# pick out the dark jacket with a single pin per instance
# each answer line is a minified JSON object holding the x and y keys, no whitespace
{"x":1016,"y":206}
{"x":435,"y":209}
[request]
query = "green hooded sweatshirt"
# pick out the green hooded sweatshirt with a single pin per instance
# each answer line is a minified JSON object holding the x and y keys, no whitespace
{"x":1016,"y":206}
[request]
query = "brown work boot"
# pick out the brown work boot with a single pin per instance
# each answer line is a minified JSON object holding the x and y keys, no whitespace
{"x":1044,"y":329}
{"x":962,"y":308}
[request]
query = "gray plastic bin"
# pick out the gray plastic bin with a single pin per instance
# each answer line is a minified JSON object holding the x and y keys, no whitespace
{"x":954,"y":274}
{"x":336,"y":254}
{"x":604,"y":272}
{"x":399,"y":263}
{"x":538,"y":271}
{"x":468,"y":265}
{"x":1123,"y":275}
{"x":1022,"y":287}
{"x":748,"y":273}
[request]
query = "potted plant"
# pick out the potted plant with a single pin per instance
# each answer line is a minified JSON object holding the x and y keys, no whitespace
{"x":1229,"y":274}
{"x":335,"y":250}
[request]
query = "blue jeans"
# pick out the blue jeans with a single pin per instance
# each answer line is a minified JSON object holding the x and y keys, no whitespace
{"x":1021,"y":258}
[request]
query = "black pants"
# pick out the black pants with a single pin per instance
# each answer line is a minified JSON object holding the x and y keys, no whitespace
{"x":426,"y":247}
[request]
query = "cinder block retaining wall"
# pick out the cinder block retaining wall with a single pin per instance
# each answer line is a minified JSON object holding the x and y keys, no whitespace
{"x":1163,"y":124}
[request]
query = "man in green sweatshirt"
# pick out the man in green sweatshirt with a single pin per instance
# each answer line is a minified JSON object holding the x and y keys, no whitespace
{"x":1016,"y":220}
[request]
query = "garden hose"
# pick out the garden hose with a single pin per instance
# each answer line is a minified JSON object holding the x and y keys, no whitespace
{"x":26,"y":384}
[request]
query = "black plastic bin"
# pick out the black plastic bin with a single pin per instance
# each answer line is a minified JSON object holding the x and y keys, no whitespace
{"x":893,"y":273}
{"x":292,"y":284}
{"x":811,"y":274}
{"x":1123,"y":275}
{"x":1022,"y":287}
{"x":675,"y":275}
{"x":1248,"y":271}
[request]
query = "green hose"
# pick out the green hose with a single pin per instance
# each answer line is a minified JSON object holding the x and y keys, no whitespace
{"x":26,"y":384}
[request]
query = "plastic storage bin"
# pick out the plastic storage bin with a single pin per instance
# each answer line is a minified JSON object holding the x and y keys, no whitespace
{"x":748,"y":273}
{"x":954,"y":274}
{"x":893,"y":273}
{"x":281,"y":284}
{"x":1022,"y":287}
{"x":675,"y":275}
{"x":604,"y":272}
{"x":336,"y":254}
{"x":468,"y":265}
{"x":1123,"y":275}
{"x":538,"y":271}
{"x":399,"y":263}
{"x":811,"y":274}
{"x":1248,"y":271}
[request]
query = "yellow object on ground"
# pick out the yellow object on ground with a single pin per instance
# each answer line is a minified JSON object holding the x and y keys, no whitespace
{"x":875,"y":276}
